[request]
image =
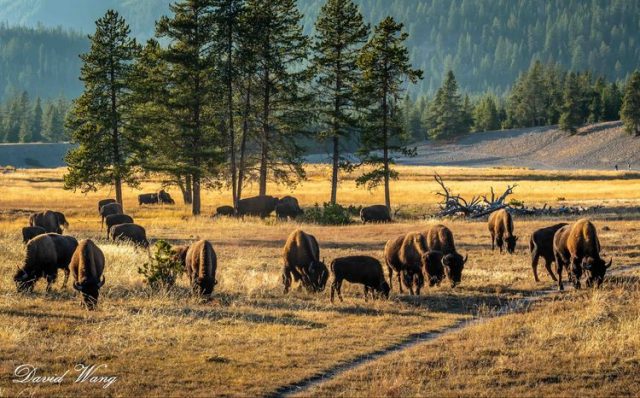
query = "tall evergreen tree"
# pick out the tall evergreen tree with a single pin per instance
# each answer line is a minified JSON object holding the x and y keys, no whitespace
{"x":446,"y":116}
{"x":25,"y":132}
{"x":630,"y":112}
{"x":98,"y":120}
{"x":485,"y":115}
{"x":36,"y":121}
{"x":572,"y":114}
{"x":386,"y":68}
{"x":612,"y":102}
{"x":340,"y":34}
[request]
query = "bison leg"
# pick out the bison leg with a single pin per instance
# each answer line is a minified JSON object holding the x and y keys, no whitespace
{"x":559,"y":265}
{"x":338,"y":284}
{"x":419,"y":283}
{"x":333,"y":289}
{"x":286,"y":279}
{"x":66,"y":278}
{"x":493,"y":241}
{"x":366,"y":293}
{"x":51,"y":279}
{"x":400,"y":280}
{"x":534,"y":265}
{"x":390,"y":276}
{"x":547,"y":265}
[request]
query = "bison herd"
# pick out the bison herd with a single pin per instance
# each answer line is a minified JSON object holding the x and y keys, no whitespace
{"x":414,"y":257}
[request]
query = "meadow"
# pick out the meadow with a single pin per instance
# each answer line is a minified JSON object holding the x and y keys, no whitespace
{"x":250,"y":339}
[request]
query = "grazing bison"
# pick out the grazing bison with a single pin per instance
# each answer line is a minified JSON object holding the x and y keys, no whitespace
{"x":432,"y":267}
{"x":62,"y":220}
{"x":225,"y":211}
{"x":104,"y":202}
{"x":375,"y":213}
{"x":29,"y":233}
{"x":261,"y":206}
{"x":48,"y":220}
{"x":201,"y":264}
{"x":392,"y":259}
{"x":130,"y":232}
{"x":364,"y":270}
{"x":301,"y":256}
{"x":109,"y":209}
{"x":45,"y":254}
{"x":115,"y":219}
{"x":181,"y":254}
{"x":577,"y":247}
{"x":148,"y":199}
{"x":440,"y":238}
{"x":165,"y":198}
{"x":501,"y":230}
{"x":288,"y":207}
{"x":411,"y":251}
{"x":541,"y":245}
{"x":87,"y":267}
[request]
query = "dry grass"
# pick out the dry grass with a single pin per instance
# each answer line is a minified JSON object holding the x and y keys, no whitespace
{"x":250,"y":339}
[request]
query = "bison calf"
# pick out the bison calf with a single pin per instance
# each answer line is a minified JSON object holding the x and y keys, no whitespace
{"x":109,"y":209}
{"x":29,"y":233}
{"x":87,"y":266}
{"x":541,"y":245}
{"x":501,"y":230}
{"x":225,"y":211}
{"x":201,"y":265}
{"x":375,"y":213}
{"x":363,"y":270}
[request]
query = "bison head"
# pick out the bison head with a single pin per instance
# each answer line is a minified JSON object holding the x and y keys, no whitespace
{"x":204,"y":286}
{"x":595,"y":268}
{"x":384,"y":288}
{"x":511,"y":244}
{"x":318,"y":274}
{"x":90,"y":290}
{"x":24,"y":281}
{"x":453,"y":266}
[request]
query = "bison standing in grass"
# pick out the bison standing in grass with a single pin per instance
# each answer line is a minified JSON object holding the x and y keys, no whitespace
{"x":165,"y":198}
{"x":133,"y":233}
{"x":115,"y":219}
{"x":301,"y":257}
{"x":364,"y":270}
{"x":45,"y":254}
{"x":259,"y":206}
{"x":375,"y":213}
{"x":541,"y":245}
{"x":288,"y":207}
{"x":109,"y":209}
{"x":413,"y":247}
{"x":577,"y":247}
{"x":104,"y":202}
{"x":225,"y":211}
{"x":433,"y":267}
{"x":392,"y":259}
{"x":51,"y":221}
{"x":148,"y":199}
{"x":201,"y":264}
{"x":440,"y":238}
{"x":29,"y":233}
{"x":501,"y":230}
{"x":87,"y":267}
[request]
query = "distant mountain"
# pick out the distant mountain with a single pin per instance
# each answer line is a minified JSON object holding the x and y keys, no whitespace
{"x":487,"y":43}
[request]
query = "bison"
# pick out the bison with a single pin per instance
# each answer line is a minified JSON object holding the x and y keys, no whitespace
{"x":578,"y":246}
{"x":364,"y":270}
{"x":301,"y":257}
{"x":392,"y":259}
{"x":104,"y":202}
{"x":109,"y":209}
{"x":45,"y":254}
{"x":501,"y":230}
{"x":181,"y":254}
{"x":148,"y":199}
{"x":440,"y":238}
{"x":115,"y":219}
{"x":87,"y":267}
{"x":410,"y":255}
{"x":541,"y":245}
{"x":432,"y":267}
{"x":288,"y":207}
{"x":261,"y":206}
{"x":165,"y":198}
{"x":29,"y":233}
{"x":49,"y":220}
{"x":133,"y":233}
{"x":375,"y":213}
{"x":62,"y":220}
{"x":201,"y":264}
{"x":225,"y":211}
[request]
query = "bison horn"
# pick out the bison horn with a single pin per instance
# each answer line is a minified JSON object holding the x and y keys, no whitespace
{"x":609,"y":264}
{"x":102,"y":281}
{"x":77,"y":286}
{"x":465,"y":259}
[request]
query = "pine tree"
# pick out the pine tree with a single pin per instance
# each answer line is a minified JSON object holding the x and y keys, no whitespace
{"x":98,"y":120}
{"x":572,"y":115}
{"x":36,"y":121}
{"x":340,"y":34}
{"x":630,"y":112}
{"x":446,"y":117}
{"x":384,"y":61}
{"x":485,"y":115}
{"x":612,"y":102}
{"x":25,"y":132}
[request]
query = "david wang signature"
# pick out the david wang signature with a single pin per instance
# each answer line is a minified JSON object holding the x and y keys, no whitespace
{"x":28,"y":374}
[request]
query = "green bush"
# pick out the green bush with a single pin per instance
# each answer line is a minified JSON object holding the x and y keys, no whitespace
{"x":516,"y":203}
{"x":328,"y":214}
{"x":163,"y":269}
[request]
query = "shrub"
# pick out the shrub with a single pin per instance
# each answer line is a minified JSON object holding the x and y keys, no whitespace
{"x":516,"y":203}
{"x":163,"y":269}
{"x":328,"y":214}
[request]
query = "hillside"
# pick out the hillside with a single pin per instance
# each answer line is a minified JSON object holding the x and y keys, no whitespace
{"x":599,"y":146}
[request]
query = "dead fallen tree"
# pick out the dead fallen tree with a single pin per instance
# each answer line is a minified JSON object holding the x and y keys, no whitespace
{"x":481,"y":205}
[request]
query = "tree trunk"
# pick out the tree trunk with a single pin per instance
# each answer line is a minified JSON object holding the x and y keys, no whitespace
{"x":336,"y":166}
{"x":385,"y":135}
{"x":232,"y":141}
{"x":264,"y":154}
{"x":196,"y":205}
{"x":118,"y":186}
{"x":243,"y":141}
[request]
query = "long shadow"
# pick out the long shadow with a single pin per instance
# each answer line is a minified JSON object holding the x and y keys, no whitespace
{"x":40,"y":315}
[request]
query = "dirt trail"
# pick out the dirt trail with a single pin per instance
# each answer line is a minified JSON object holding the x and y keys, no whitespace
{"x":413,"y":340}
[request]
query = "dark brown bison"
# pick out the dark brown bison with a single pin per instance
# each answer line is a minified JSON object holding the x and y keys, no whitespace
{"x":48,"y":220}
{"x":29,"y":233}
{"x":62,"y":220}
{"x":375,"y":213}
{"x":413,"y":247}
{"x":87,"y":267}
{"x":364,"y":270}
{"x":541,"y":245}
{"x":165,"y":198}
{"x":104,"y":202}
{"x":201,"y":265}
{"x":288,"y":207}
{"x":225,"y":211}
{"x":392,"y":259}
{"x":45,"y":254}
{"x":440,"y":238}
{"x":261,"y":206}
{"x":301,"y":256}
{"x":109,"y":209}
{"x":432,"y":267}
{"x":115,"y":219}
{"x":133,"y":233}
{"x":501,"y":230}
{"x":577,"y":247}
{"x":148,"y":199}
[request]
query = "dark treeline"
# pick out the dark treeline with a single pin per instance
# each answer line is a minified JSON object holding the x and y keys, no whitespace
{"x":23,"y":119}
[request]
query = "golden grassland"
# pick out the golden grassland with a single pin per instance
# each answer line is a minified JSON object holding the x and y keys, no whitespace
{"x":251,"y":339}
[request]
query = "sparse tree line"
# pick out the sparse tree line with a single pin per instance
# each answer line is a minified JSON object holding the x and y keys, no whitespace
{"x":25,"y":120}
{"x":544,"y":95}
{"x":233,"y":93}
